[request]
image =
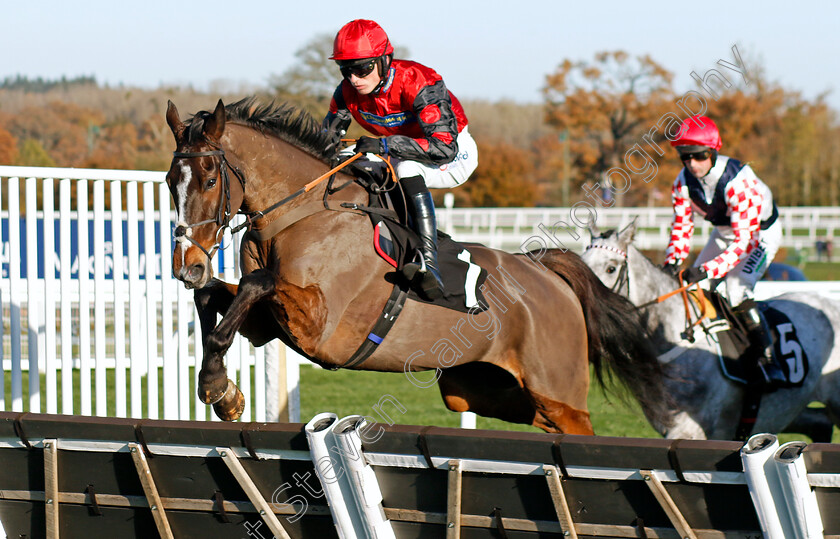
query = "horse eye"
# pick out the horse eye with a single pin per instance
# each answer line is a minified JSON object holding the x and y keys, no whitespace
{"x":611,"y":269}
{"x":210,"y":183}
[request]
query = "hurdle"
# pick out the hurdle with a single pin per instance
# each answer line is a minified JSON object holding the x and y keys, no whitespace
{"x":63,"y":476}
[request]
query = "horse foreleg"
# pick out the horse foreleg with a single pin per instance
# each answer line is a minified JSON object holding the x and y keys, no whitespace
{"x":213,"y":384}
{"x":210,"y":301}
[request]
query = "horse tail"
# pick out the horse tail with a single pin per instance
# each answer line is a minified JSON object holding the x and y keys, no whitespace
{"x":617,"y":335}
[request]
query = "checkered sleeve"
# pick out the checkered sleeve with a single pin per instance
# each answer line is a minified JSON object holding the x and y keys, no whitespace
{"x":682,"y":226}
{"x":745,"y":202}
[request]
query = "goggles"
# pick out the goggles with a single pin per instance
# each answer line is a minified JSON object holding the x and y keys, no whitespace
{"x":696,"y":156}
{"x":360,"y":68}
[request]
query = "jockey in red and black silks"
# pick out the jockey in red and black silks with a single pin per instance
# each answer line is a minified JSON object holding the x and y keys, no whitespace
{"x":419,"y":118}
{"x":747,"y":234}
{"x":416,"y":119}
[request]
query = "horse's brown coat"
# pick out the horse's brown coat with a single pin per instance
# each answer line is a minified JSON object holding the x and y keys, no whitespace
{"x":319,"y":286}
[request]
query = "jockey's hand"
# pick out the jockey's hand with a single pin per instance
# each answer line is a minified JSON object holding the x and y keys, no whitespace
{"x":369,"y":145}
{"x":334,"y":134}
{"x":694,"y":275}
{"x":671,"y":269}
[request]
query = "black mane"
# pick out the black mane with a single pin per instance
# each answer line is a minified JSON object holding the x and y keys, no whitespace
{"x":282,"y":120}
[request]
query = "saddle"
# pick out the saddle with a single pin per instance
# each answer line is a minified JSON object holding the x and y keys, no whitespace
{"x":738,"y":355}
{"x":396,"y":242}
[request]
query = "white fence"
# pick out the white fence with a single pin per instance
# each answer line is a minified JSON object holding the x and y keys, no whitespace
{"x":109,"y":340}
{"x":510,"y":228}
{"x":106,"y":339}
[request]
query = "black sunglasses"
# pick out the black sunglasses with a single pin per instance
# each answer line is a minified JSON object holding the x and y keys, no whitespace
{"x":360,"y":69}
{"x":697,"y":156}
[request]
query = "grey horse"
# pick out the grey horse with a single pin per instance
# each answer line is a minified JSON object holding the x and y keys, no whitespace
{"x":707,"y":405}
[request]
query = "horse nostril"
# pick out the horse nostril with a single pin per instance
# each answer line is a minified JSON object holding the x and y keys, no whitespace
{"x":195,"y":272}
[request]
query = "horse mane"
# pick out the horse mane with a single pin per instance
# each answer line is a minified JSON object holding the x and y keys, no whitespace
{"x":282,"y":120}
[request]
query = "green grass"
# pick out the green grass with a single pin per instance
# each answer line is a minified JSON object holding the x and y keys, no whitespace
{"x":822,"y":271}
{"x":111,"y":405}
{"x":357,"y":392}
{"x":348,"y":392}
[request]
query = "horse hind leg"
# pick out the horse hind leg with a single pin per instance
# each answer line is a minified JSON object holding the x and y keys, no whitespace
{"x":490,"y":391}
{"x":487,"y":390}
{"x":555,"y":416}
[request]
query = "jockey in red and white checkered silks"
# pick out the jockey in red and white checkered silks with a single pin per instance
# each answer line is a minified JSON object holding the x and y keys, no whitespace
{"x":747,"y":233}
{"x":728,"y":194}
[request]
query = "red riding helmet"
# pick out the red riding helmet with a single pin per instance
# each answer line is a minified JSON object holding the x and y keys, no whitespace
{"x":361,"y":39}
{"x":698,"y":131}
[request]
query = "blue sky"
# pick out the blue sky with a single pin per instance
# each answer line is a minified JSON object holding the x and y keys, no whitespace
{"x":484,"y":49}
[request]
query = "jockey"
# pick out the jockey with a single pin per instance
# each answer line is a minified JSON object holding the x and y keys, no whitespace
{"x":747,"y":234}
{"x":418,"y":122}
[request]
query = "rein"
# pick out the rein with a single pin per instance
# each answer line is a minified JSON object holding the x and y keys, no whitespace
{"x":305,"y":189}
{"x":183,"y":231}
{"x":624,"y":278}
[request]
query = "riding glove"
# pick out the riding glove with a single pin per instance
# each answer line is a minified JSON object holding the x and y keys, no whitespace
{"x":694,"y":275}
{"x":370,"y":145}
{"x":671,"y":269}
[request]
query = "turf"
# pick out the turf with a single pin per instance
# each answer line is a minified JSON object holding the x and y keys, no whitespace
{"x":391,"y":397}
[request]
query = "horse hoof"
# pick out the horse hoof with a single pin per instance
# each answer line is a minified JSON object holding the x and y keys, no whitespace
{"x":231,"y":405}
{"x":211,"y":396}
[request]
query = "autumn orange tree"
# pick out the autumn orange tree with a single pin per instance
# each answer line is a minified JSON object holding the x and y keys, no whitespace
{"x":504,"y":178}
{"x":8,"y":147}
{"x":791,"y":142}
{"x":602,"y":108}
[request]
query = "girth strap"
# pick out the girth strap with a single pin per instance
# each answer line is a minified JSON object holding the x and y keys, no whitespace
{"x":749,"y":412}
{"x":393,"y":308}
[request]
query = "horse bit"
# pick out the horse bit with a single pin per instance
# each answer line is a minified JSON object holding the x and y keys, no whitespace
{"x":183,"y":232}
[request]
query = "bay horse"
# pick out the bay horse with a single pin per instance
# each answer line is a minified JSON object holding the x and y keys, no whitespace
{"x":705,"y":403}
{"x":316,"y":284}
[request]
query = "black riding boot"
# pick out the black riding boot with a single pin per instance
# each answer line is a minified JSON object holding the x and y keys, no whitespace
{"x":423,"y":209}
{"x":759,"y":335}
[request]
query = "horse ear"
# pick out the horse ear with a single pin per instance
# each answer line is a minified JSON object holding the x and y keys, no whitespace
{"x":594,"y":231}
{"x":628,"y":233}
{"x":214,"y":126}
{"x":174,"y":120}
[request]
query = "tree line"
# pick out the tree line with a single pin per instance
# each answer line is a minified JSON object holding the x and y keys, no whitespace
{"x":603,"y":124}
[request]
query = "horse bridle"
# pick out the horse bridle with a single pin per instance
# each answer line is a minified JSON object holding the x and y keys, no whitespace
{"x":624,"y":274}
{"x":183,"y":231}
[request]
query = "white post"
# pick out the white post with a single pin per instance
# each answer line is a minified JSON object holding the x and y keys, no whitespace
{"x":99,"y":320}
{"x":84,"y":296}
{"x":260,"y":397}
{"x":135,"y":301}
{"x":449,"y":203}
{"x":764,"y":485}
{"x":64,"y":193}
{"x":333,"y":477}
{"x":151,"y":300}
{"x":15,"y":293}
{"x":119,"y":298}
{"x":800,"y":499}
{"x":2,"y":348}
{"x":292,"y":363}
{"x":51,"y":294}
{"x":282,"y":382}
{"x":167,"y":299}
{"x":34,"y":291}
{"x":276,"y":396}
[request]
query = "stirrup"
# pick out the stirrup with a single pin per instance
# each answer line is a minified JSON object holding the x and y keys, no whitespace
{"x":422,"y":278}
{"x":417,"y":265}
